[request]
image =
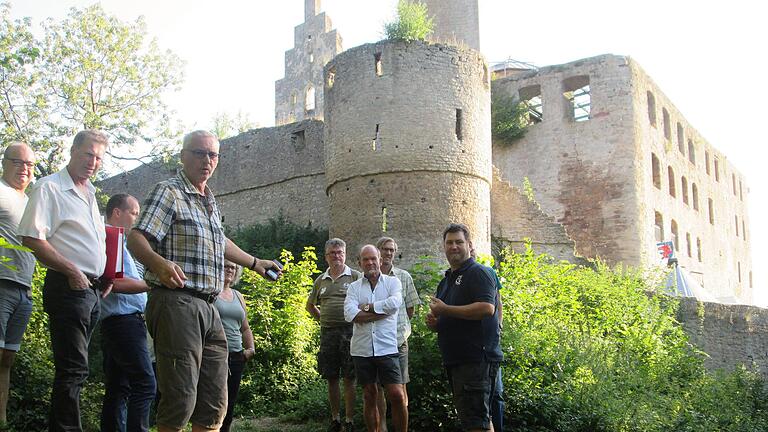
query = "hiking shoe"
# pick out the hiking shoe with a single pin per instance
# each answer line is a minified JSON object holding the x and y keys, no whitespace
{"x":349,"y":427}
{"x":335,"y":426}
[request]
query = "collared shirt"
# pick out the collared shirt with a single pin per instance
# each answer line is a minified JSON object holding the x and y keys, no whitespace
{"x":468,"y":341}
{"x":328,"y":294}
{"x":410,"y":299}
{"x":12,"y":205}
{"x":184,"y":226}
{"x":125,"y":304}
{"x":375,"y":338}
{"x":69,"y":219}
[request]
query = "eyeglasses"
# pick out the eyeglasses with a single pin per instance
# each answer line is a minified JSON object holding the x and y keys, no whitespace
{"x":230,"y":267}
{"x":334,"y":253}
{"x":18,"y":163}
{"x":201,"y":154}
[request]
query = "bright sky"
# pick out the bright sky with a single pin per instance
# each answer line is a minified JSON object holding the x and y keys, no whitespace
{"x":706,"y":56}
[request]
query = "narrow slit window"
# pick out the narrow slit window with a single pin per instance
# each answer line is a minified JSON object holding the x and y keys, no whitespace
{"x":680,"y":139}
{"x":671,"y":178}
{"x":733,"y":180}
{"x":667,"y":126}
{"x":738,"y":268}
{"x":331,"y":77}
{"x":691,"y":153}
{"x":652,"y":109}
{"x":309,"y":100}
{"x":658,"y":227}
{"x":741,"y":195}
{"x":377,"y":64}
{"x":717,"y":169}
{"x":698,"y":248}
{"x":375,"y":141}
{"x":459,"y":124}
{"x":531,"y":97}
{"x":743,"y":230}
{"x":706,"y":161}
{"x":675,"y":236}
{"x":684,"y":189}
{"x":711,"y":211}
{"x":736,"y":223}
{"x":576,"y":92}
{"x":695,"y":196}
{"x":656,"y":171}
{"x":688,"y":245}
{"x":384,"y":219}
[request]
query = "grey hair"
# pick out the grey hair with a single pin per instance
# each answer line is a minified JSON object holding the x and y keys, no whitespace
{"x":335,"y":242}
{"x":238,"y":272}
{"x":384,"y":240}
{"x":90,"y":136}
{"x":188,"y":138}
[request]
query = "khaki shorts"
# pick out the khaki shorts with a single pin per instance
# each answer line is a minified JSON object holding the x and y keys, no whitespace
{"x":191,"y":369}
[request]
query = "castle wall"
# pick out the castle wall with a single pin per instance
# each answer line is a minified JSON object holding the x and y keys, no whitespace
{"x":408,"y":145}
{"x":261,"y":174}
{"x":714,"y":251}
{"x":582,"y":172}
{"x":731,"y":335}
{"x":315,"y":44}
{"x":456,"y":22}
{"x":515,"y":220}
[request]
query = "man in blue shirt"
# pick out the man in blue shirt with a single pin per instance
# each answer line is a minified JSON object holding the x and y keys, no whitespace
{"x":129,"y":379}
{"x":463,"y":312}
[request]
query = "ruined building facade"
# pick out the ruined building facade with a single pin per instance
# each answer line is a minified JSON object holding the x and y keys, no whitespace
{"x":402,"y":146}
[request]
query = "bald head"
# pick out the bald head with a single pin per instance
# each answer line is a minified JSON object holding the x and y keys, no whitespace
{"x":18,"y":165}
{"x":370,"y":261}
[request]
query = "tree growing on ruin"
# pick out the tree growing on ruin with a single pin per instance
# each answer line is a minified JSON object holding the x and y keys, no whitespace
{"x":412,"y":22}
{"x":89,"y":70}
{"x":509,"y":118}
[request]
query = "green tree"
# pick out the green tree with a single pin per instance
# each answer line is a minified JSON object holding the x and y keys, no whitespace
{"x":412,"y":22}
{"x":90,"y":70}
{"x":226,"y":125}
{"x":509,"y":118}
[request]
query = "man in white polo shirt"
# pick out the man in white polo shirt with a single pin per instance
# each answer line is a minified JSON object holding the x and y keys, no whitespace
{"x":64,"y":229}
{"x":371,"y":304}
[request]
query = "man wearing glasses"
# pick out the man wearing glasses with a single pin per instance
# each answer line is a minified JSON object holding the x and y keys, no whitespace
{"x":16,"y":273}
{"x":326,"y":305}
{"x":180,"y":240}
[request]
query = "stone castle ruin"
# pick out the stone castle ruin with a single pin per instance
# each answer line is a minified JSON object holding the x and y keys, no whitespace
{"x":394,"y":138}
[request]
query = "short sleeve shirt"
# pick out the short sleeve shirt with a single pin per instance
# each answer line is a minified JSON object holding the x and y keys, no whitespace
{"x":410,"y":299}
{"x":12,"y":205}
{"x":468,"y":341}
{"x":68,"y":219}
{"x":328,"y":294}
{"x":184,"y":226}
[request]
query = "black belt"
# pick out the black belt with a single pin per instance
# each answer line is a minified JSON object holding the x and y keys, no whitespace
{"x":96,"y":283}
{"x":210,"y":298}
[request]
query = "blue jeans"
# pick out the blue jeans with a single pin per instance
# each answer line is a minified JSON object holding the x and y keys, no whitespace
{"x":129,"y":382}
{"x":72,"y":316}
{"x":497,"y":404}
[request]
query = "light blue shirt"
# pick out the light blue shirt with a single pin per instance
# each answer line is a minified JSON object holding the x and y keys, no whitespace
{"x":376,"y":338}
{"x":125,"y":304}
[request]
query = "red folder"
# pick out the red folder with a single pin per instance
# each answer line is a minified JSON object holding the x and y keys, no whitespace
{"x":115,"y":245}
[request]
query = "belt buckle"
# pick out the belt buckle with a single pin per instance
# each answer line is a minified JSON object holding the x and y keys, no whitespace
{"x":211,"y":298}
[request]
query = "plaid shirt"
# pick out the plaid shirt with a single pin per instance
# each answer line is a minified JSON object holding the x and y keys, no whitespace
{"x":184,"y":226}
{"x":410,"y":299}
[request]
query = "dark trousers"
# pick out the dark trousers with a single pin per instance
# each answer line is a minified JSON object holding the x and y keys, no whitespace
{"x":72,"y":316}
{"x":236,"y":366}
{"x":129,"y":382}
{"x":497,"y":404}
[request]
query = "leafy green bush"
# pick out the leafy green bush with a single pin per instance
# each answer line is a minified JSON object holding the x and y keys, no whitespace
{"x":267,"y":240}
{"x":412,"y":23}
{"x":509,"y":118}
{"x":286,"y":338}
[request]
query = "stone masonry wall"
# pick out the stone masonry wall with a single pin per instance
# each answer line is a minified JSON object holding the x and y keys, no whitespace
{"x":731,"y":335}
{"x":456,"y":21}
{"x":716,"y":252}
{"x":582,"y":172}
{"x":515,"y":219}
{"x":415,"y":117}
{"x":315,"y":44}
{"x":262,"y":173}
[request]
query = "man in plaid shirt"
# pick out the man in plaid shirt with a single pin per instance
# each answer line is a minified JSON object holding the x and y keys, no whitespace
{"x":180,"y":240}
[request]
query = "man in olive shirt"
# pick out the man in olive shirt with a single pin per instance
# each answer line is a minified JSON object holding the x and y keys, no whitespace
{"x":326,"y":305}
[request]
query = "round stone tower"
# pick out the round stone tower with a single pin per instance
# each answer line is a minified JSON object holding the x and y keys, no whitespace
{"x":408,"y":145}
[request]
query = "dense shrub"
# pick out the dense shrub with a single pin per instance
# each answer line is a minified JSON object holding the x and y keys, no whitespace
{"x":412,"y":22}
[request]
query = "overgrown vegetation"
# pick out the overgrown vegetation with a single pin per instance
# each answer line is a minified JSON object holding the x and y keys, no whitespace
{"x":412,"y":22}
{"x":509,"y":118}
{"x":587,"y":349}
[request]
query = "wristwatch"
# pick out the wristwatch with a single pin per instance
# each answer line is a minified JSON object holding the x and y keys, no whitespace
{"x":366,"y":307}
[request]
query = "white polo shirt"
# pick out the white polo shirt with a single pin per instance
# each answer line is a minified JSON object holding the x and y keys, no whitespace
{"x":376,"y":338}
{"x":69,"y":220}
